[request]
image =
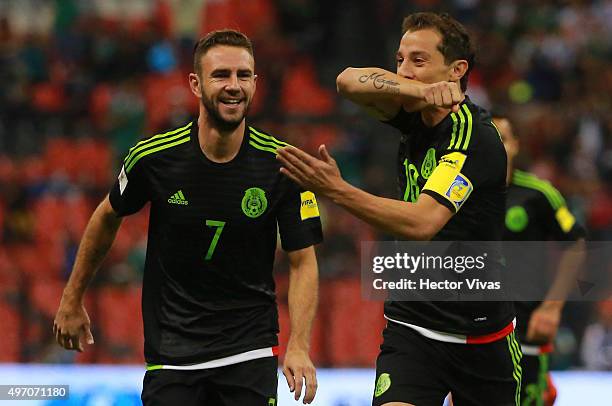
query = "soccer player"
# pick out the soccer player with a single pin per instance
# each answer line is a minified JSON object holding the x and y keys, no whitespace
{"x":452,"y":180}
{"x":217,"y":198}
{"x":536,"y":211}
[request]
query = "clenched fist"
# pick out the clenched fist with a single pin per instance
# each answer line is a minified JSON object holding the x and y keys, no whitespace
{"x":443,"y":94}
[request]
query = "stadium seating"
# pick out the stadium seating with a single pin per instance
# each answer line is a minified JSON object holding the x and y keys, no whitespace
{"x":120,"y":321}
{"x":353,"y":332}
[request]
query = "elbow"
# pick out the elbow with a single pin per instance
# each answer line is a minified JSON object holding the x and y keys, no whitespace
{"x":422,"y":232}
{"x":343,"y":81}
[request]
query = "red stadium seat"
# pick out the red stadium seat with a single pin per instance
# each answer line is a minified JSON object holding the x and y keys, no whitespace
{"x":37,"y":262}
{"x":353,"y":332}
{"x":301,"y":92}
{"x":10,"y":339}
{"x":120,"y":321}
{"x":251,"y":17}
{"x":45,"y":296}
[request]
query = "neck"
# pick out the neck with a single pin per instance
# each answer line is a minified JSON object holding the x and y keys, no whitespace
{"x":432,"y":116}
{"x":218,"y":145}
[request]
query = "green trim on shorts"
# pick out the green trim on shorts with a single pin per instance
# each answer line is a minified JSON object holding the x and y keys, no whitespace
{"x":516,"y":355}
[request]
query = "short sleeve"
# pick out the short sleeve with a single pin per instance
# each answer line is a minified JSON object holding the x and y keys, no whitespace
{"x":559,"y":221}
{"x":473,"y":159}
{"x":129,"y":193}
{"x":299,"y":221}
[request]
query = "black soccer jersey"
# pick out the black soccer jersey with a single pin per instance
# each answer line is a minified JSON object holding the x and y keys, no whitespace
{"x":208,"y":290}
{"x":536,"y":211}
{"x":460,"y":162}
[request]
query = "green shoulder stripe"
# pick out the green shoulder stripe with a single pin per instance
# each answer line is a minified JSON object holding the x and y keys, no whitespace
{"x":151,"y":144}
{"x":143,"y":143}
{"x":264,"y":142}
{"x":462,"y":129}
{"x":468,"y":114}
{"x":262,"y":148}
{"x":454,"y":134}
{"x":260,"y":141}
{"x":261,"y":135}
{"x":185,"y":138}
{"x":528,"y":180}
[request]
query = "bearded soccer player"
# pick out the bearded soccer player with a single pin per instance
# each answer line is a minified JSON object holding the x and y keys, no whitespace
{"x":452,"y":182}
{"x":217,"y":198}
{"x":536,"y":211}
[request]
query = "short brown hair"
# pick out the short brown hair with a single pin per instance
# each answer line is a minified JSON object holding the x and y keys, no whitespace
{"x":456,"y":42}
{"x":220,"y":37}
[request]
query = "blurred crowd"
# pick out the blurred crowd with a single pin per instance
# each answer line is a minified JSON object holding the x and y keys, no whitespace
{"x":82,"y":81}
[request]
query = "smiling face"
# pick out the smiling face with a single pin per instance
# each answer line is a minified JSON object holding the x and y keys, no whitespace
{"x":419,"y":58}
{"x":225,"y":84}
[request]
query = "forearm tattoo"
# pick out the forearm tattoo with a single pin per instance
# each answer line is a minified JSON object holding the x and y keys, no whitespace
{"x":379,"y":82}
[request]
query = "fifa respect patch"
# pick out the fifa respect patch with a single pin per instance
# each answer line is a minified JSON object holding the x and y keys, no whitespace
{"x":565,"y":218}
{"x":308,"y":205}
{"x":123,"y":180}
{"x":459,"y":191}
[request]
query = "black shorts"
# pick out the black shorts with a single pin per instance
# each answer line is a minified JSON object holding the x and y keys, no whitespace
{"x":418,"y":370}
{"x":247,"y":383}
{"x":534,"y":386}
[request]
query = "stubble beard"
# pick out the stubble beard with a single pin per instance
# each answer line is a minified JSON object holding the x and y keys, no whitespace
{"x":214,"y":115}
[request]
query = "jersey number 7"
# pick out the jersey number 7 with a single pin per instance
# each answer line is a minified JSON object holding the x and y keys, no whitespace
{"x":215,"y":240}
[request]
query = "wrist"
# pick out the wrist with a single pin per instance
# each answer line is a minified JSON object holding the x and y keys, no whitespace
{"x":72,"y":298}
{"x":340,"y":193}
{"x":295,"y":345}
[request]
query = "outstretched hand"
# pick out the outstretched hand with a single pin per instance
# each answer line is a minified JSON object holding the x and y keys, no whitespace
{"x":319,"y":175}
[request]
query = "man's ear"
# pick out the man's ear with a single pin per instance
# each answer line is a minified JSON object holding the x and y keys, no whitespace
{"x":194,"y":85}
{"x":458,"y":69}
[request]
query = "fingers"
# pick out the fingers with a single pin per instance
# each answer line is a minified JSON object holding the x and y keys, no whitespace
{"x":288,"y":174}
{"x":311,"y":385}
{"x":289,"y":377}
{"x":447,"y":97}
{"x":456,"y":93}
{"x":444,"y":94}
{"x":291,"y":156}
{"x":75,"y":343}
{"x":88,"y":336}
{"x":299,"y":381}
{"x":72,"y":341}
{"x":325,"y":155}
{"x":297,"y":378}
{"x":303,"y":156}
{"x":290,"y":170}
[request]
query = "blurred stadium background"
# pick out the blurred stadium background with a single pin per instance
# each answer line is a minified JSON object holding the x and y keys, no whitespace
{"x":82,"y":81}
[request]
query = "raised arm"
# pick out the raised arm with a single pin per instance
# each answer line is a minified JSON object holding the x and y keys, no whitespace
{"x":72,"y":323}
{"x":382,"y":93}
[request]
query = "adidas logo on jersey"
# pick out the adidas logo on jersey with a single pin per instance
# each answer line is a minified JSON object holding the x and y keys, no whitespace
{"x":178,"y":198}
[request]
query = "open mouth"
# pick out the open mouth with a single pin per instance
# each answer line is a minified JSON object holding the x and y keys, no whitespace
{"x":231,"y":102}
